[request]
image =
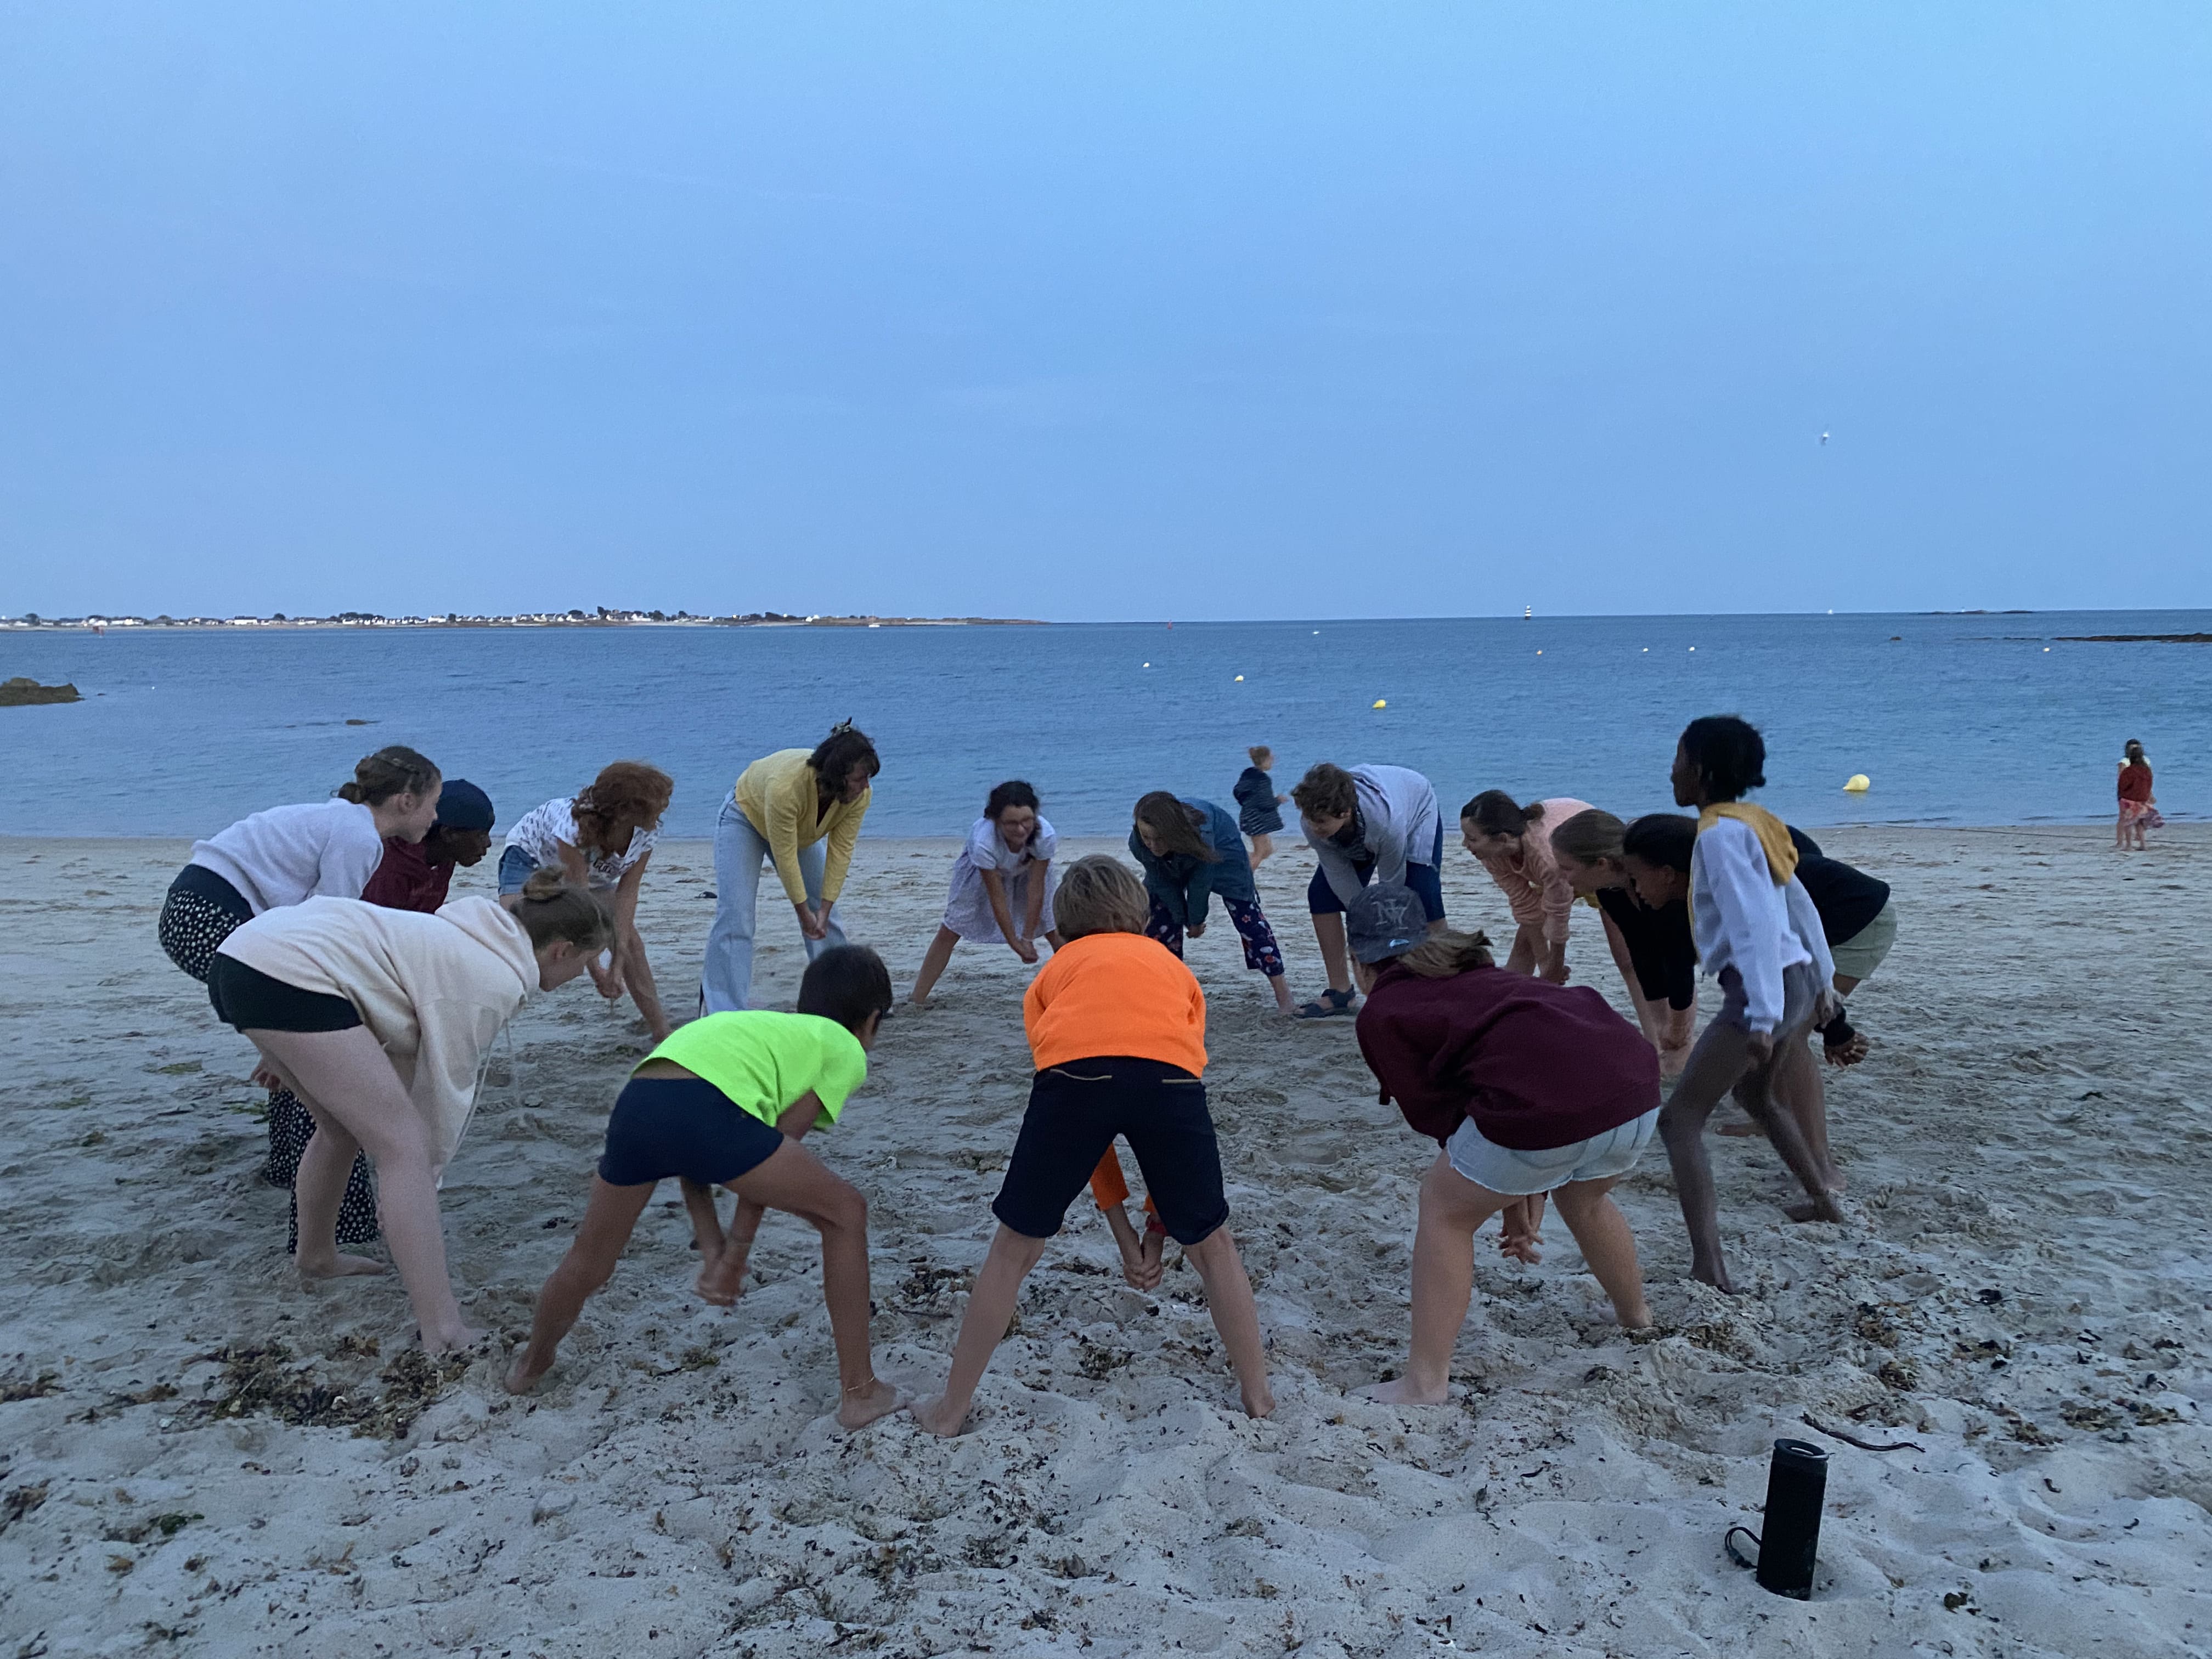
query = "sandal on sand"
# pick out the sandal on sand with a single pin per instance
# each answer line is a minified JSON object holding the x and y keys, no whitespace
{"x":1331,"y":1004}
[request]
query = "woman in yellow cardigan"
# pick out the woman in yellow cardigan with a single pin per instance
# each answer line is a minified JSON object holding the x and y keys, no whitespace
{"x":801,"y":810}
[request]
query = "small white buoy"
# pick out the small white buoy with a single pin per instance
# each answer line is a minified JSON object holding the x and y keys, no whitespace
{"x":1540,"y":653}
{"x":1647,"y":650}
{"x":1859,"y":784}
{"x":1240,"y":679}
{"x":2046,"y":650}
{"x":1148,"y":665}
{"x":1693,"y":647}
{"x":1381,"y":703}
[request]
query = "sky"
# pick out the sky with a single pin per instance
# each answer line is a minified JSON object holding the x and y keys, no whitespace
{"x":1186,"y":310}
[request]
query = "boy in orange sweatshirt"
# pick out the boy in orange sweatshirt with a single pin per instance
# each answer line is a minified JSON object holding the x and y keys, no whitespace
{"x":1117,"y":1028}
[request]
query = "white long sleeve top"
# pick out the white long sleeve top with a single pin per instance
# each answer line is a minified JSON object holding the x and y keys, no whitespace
{"x":287,"y":854}
{"x":1742,"y":920}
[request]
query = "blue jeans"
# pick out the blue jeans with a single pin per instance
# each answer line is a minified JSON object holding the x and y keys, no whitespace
{"x":515,"y":867}
{"x":725,"y":978}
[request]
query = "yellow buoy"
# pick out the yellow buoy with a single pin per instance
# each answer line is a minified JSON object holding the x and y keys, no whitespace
{"x":1240,"y":679}
{"x":1859,"y":784}
{"x":1381,"y":703}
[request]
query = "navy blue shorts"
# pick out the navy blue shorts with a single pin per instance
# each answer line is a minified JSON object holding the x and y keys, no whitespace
{"x":1426,"y":879}
{"x":681,"y":1125}
{"x":1077,"y":1109}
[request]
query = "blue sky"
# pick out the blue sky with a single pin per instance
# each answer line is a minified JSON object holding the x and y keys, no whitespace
{"x":1179,"y":310}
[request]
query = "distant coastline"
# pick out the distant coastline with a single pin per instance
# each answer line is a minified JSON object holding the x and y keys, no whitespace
{"x":601,"y":618}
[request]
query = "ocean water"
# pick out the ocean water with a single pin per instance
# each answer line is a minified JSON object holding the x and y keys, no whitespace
{"x":1957,"y":720}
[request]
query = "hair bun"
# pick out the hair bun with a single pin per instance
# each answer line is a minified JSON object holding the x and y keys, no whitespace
{"x":547,"y":881}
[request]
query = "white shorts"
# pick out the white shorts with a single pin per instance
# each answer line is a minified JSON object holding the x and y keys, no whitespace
{"x":1518,"y":1174}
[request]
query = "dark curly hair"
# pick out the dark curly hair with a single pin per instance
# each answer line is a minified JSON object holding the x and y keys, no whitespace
{"x":1727,"y":753}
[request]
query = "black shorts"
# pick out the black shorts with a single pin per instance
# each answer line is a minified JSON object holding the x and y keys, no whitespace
{"x":253,"y":1001}
{"x":681,"y":1125}
{"x":1077,"y":1109}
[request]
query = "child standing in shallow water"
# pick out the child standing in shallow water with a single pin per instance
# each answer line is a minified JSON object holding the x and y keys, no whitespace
{"x":1001,"y":885}
{"x":1117,"y":1028}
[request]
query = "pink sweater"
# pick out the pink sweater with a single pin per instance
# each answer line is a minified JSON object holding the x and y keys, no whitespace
{"x":1536,"y":892}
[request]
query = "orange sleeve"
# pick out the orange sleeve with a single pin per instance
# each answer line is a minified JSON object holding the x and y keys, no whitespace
{"x":1109,"y":1188}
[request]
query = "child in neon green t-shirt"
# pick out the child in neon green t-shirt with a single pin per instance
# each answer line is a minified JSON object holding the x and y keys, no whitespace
{"x":724,"y":1101}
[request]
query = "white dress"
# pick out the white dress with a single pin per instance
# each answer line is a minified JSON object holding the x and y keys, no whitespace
{"x":537,"y":831}
{"x":968,"y":907}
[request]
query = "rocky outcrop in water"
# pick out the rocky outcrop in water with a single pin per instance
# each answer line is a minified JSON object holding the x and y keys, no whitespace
{"x":19,"y":691}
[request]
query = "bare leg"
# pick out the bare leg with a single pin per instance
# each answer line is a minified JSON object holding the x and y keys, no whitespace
{"x":600,"y":1238}
{"x":1329,"y":931}
{"x":1263,"y":848}
{"x":716,"y":1282}
{"x":1522,"y":957}
{"x":1754,"y":1092}
{"x":345,"y":1079}
{"x":793,"y":1180}
{"x":1280,"y":985}
{"x":1715,"y":1064}
{"x":1236,"y":1318}
{"x":1452,"y":1209}
{"x":933,"y":965}
{"x":1796,"y":1085}
{"x":320,"y":1185}
{"x":1601,"y":1233}
{"x":990,"y":1310}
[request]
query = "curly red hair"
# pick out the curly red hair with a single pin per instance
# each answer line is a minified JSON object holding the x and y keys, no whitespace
{"x":626,"y":795}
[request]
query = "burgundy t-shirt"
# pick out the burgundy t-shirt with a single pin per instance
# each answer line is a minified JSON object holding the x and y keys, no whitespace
{"x":1535,"y":1065}
{"x":407,"y":880}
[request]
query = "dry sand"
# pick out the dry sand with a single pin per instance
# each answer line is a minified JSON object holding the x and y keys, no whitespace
{"x":2021,"y":1293}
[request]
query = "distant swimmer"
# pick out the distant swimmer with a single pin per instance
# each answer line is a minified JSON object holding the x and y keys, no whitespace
{"x":1824,"y":440}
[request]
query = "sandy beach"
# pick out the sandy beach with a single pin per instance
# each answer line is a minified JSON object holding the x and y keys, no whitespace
{"x":199,"y":1453}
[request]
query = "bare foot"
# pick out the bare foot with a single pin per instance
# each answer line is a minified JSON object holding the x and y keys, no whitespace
{"x":452,"y":1341}
{"x":1637,"y":1318}
{"x":1714,"y":1275}
{"x":917,"y":1002}
{"x":1259,"y":1400}
{"x":877,"y":1399}
{"x":1405,"y":1392}
{"x":1845,"y":1053}
{"x":522,"y":1375}
{"x":1822,"y":1208}
{"x":722,"y":1281}
{"x":938,"y":1418}
{"x":337,"y":1265}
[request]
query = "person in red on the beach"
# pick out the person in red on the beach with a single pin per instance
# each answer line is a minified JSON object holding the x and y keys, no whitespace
{"x":2138,"y":811}
{"x":415,"y":875}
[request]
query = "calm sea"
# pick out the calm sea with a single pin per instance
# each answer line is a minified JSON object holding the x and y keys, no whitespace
{"x":1961,"y":719}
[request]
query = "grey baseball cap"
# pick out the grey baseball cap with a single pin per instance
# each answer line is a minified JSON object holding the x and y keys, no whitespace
{"x":1387,"y":919}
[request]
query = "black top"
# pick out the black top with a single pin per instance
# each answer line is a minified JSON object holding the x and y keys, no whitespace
{"x":1847,"y":899}
{"x":1660,"y":947}
{"x":1255,"y":794}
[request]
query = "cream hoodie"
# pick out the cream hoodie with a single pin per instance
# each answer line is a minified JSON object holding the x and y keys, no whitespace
{"x":433,"y":989}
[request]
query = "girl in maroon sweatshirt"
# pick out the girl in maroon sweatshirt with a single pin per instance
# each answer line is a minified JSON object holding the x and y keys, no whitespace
{"x":1529,"y":1088}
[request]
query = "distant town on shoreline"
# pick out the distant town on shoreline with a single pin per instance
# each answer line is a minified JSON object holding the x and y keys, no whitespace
{"x":601,"y":618}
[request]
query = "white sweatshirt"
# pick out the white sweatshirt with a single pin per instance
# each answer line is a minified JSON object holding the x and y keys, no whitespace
{"x":434,"y":990}
{"x":1742,"y":920}
{"x":287,"y":854}
{"x":1397,"y":825}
